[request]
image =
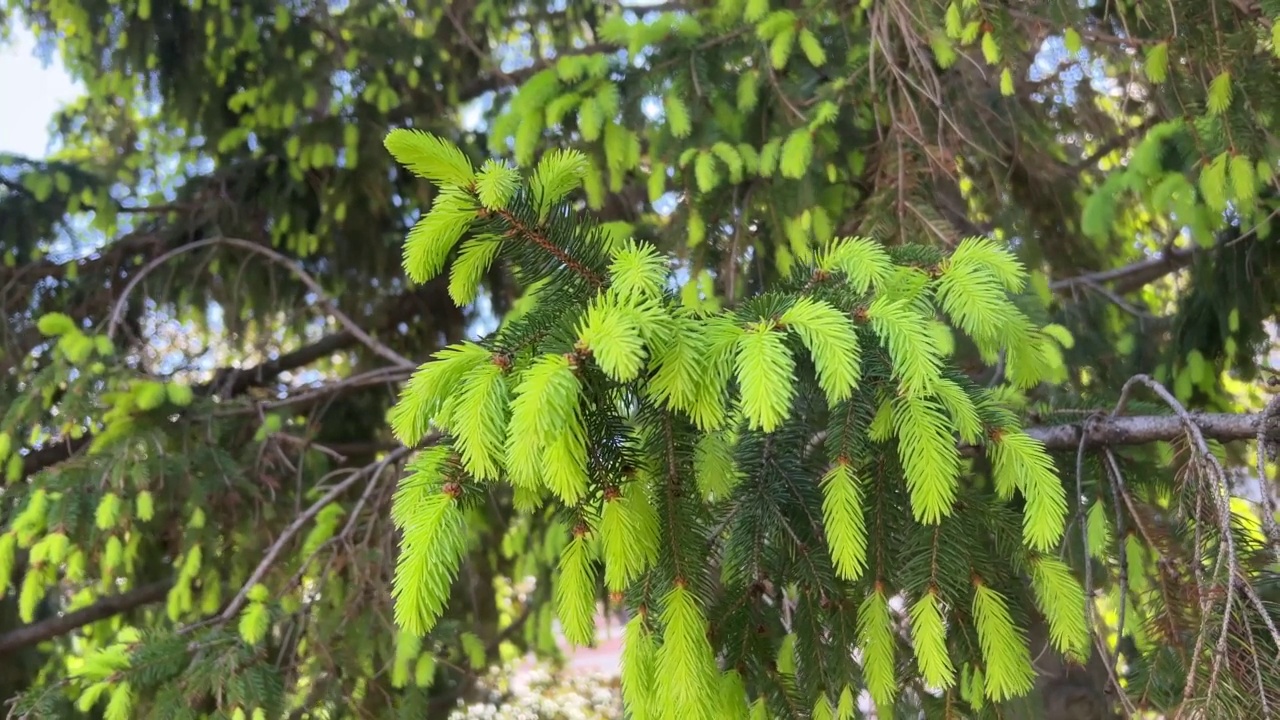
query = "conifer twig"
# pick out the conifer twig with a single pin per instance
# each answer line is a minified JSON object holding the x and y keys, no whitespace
{"x":541,"y":240}
{"x":1112,"y":470}
{"x":1139,"y":430}
{"x":1089,"y":610}
{"x":1210,"y":473}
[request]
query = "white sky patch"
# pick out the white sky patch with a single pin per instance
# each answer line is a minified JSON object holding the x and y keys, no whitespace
{"x":32,"y":92}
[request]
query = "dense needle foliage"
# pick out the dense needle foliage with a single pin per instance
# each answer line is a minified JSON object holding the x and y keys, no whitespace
{"x":876,"y":357}
{"x":792,"y":423}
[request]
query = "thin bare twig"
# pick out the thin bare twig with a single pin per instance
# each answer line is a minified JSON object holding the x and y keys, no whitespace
{"x":1212,"y":475}
{"x":1268,"y":502}
{"x":347,"y":323}
{"x":1098,"y":640}
{"x":359,"y":506}
{"x":296,"y":526}
{"x":1113,"y":471}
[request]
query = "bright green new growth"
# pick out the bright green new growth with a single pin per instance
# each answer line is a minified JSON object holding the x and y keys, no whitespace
{"x":629,"y":535}
{"x":830,"y":337}
{"x":544,"y":410}
{"x":1008,"y":664}
{"x":638,"y":272}
{"x":714,"y":468}
{"x":903,"y":329}
{"x":876,"y":640}
{"x":686,"y":670}
{"x":842,"y":513}
{"x":765,"y":372}
{"x":473,"y":261}
{"x":669,"y":433}
{"x":427,"y":392}
{"x":929,"y":456}
{"x":1060,"y":597}
{"x":558,"y":174}
{"x":929,"y":636}
{"x":639,"y":657}
{"x":430,"y":157}
{"x":433,"y":237}
{"x":1019,"y":461}
{"x":611,"y":332}
{"x":576,"y":590}
{"x":431,"y":546}
{"x":479,"y":414}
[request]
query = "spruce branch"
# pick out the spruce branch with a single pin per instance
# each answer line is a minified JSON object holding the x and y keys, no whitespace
{"x":29,"y":275}
{"x":1266,"y":451}
{"x":1105,"y":431}
{"x":498,"y":81}
{"x":1252,"y":11}
{"x":1089,"y":608}
{"x":1128,"y":278}
{"x":226,"y":383}
{"x":112,"y":605}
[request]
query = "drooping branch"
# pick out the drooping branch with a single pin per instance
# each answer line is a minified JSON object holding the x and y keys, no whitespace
{"x":62,"y":624}
{"x":226,"y":383}
{"x":111,"y":605}
{"x":1128,"y":278}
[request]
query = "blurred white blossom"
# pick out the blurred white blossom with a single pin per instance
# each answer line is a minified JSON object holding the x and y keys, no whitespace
{"x":541,"y":694}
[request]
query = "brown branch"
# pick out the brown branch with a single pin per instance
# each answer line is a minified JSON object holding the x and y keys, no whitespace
{"x":29,"y":274}
{"x":62,"y":624}
{"x":1130,"y":277}
{"x":541,"y":240}
{"x":226,"y":383}
{"x":115,"y":604}
{"x":1251,"y":11}
{"x":229,"y":382}
{"x":1143,"y":429}
{"x":1113,"y":143}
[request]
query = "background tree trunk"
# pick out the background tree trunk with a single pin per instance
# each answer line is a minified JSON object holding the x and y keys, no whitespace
{"x":1064,"y":691}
